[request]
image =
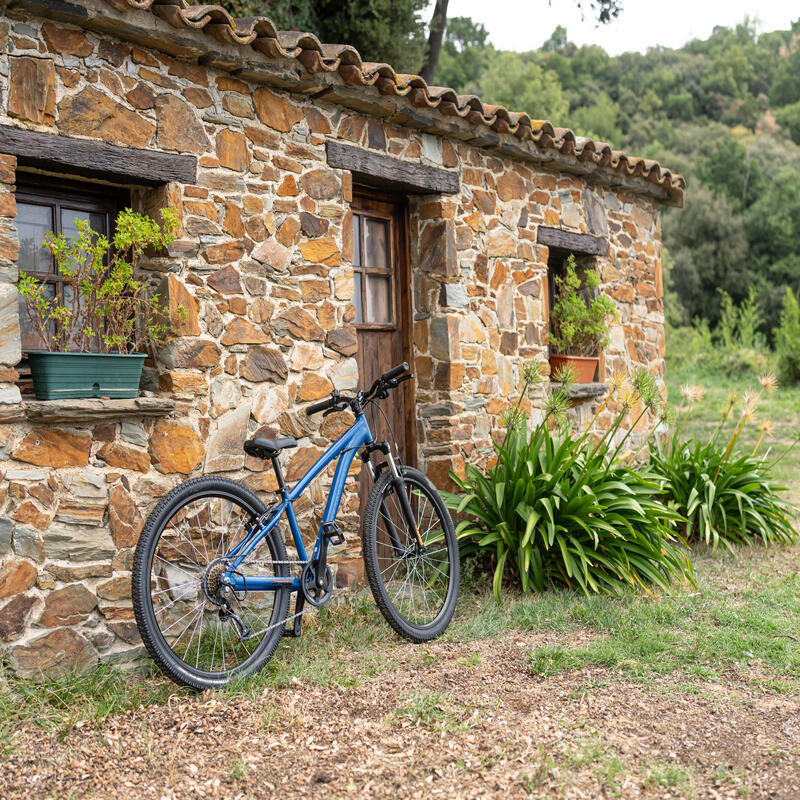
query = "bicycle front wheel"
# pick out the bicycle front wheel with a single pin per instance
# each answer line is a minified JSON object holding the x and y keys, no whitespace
{"x":416,"y":588}
{"x":178,"y":559}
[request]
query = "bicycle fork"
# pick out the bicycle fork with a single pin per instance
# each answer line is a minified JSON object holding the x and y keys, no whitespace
{"x":405,"y":505}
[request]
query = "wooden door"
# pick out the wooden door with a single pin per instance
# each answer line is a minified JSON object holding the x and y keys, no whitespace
{"x":382,"y":299}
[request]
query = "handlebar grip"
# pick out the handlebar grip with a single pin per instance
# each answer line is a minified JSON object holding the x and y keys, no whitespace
{"x":323,"y":405}
{"x":395,"y":372}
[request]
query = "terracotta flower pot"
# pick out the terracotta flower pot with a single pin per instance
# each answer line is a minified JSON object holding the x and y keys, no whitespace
{"x":584,"y":366}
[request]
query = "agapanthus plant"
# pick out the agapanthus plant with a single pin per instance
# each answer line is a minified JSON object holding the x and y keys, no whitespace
{"x":557,"y":508}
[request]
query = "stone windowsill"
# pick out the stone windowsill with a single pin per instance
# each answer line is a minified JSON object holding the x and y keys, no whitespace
{"x":86,"y":410}
{"x":584,"y":391}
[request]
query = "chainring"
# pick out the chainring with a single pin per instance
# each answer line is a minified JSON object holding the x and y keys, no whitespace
{"x":316,"y":595}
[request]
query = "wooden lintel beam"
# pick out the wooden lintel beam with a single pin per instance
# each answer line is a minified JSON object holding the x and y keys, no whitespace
{"x":379,"y":169}
{"x":96,"y":159}
{"x":567,"y":240}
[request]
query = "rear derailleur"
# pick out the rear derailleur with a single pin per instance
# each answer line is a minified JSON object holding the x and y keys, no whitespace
{"x":221,"y":596}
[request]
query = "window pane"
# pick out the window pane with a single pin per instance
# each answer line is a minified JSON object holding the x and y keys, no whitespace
{"x":33,"y":222}
{"x":30,"y":339}
{"x":356,"y":240}
{"x":97,"y":222}
{"x":376,"y":243}
{"x":379,"y":299}
{"x":357,"y":298}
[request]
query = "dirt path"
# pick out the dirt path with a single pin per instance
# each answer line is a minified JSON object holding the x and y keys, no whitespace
{"x":452,"y":720}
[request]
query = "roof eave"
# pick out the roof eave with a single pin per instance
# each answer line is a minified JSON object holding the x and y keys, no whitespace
{"x":374,"y":89}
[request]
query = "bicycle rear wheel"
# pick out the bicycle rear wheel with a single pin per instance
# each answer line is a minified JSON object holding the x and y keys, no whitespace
{"x":177,"y":567}
{"x":415,"y":589}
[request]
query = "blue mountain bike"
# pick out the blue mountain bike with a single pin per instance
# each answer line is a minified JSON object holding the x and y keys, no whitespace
{"x":212,"y":580}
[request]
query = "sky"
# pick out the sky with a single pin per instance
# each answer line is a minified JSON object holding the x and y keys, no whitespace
{"x":527,"y":24}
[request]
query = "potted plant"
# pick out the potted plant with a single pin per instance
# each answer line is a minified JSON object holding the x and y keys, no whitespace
{"x":579,"y":322}
{"x":94,"y":333}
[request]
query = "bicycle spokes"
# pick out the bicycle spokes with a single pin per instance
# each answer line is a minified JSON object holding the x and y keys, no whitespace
{"x":415,"y":573}
{"x":202,"y":626}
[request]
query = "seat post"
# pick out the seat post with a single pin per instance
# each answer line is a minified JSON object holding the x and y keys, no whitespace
{"x":276,"y":465}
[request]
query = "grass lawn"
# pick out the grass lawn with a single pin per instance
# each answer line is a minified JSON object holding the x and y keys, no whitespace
{"x":581,"y":678}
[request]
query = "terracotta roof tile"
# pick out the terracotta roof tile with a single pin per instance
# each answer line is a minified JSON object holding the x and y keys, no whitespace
{"x":260,"y":33}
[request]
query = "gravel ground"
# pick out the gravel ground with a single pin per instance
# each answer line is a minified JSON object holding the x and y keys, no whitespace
{"x":454,"y":720}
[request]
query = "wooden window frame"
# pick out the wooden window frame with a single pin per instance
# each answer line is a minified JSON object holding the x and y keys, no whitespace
{"x":389,"y":271}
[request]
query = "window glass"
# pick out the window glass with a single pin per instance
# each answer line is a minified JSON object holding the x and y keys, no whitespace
{"x":357,"y":298}
{"x":28,"y":334}
{"x":376,"y":243}
{"x":356,"y":240}
{"x":33,"y":222}
{"x":97,"y":222}
{"x":379,"y":298}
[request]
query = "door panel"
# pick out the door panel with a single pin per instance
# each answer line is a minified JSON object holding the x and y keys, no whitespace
{"x":383,"y":314}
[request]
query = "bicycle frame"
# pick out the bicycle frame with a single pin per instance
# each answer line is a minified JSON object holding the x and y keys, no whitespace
{"x":344,"y":449}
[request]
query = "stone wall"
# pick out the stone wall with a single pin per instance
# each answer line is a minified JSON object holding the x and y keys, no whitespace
{"x":262,"y":266}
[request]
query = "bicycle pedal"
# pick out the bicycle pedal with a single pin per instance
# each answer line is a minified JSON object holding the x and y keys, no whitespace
{"x":333,"y":533}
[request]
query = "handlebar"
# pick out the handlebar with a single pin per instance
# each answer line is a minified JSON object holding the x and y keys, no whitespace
{"x":323,"y":405}
{"x":394,"y":372}
{"x":390,"y":379}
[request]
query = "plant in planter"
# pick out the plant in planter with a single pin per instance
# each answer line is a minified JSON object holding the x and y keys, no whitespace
{"x":93,"y":334}
{"x":580,"y":325}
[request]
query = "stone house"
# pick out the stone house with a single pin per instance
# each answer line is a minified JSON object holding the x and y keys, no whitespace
{"x":336,"y":218}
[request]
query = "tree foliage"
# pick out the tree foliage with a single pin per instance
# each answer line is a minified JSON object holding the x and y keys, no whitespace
{"x":723,"y":111}
{"x":381,"y":30}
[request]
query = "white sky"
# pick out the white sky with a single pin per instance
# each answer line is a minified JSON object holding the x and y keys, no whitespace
{"x":526,"y":24}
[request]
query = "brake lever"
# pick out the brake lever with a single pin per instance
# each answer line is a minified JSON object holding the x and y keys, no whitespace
{"x":340,"y":406}
{"x":395,"y":382}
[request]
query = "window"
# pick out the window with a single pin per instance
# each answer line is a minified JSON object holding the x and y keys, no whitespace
{"x":374,"y":290}
{"x":45,"y":204}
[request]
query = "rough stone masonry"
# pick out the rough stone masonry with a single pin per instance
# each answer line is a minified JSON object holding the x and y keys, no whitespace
{"x":263,"y":267}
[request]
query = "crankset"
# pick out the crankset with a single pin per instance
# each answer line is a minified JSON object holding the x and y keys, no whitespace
{"x":316,"y":591}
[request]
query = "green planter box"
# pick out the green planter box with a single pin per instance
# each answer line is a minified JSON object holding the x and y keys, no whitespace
{"x":58,"y":376}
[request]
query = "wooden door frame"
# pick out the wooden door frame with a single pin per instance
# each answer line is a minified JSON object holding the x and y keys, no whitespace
{"x":363,"y":196}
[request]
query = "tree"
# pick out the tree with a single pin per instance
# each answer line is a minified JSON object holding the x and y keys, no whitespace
{"x":729,"y":169}
{"x":598,"y":120}
{"x":709,"y":250}
{"x":788,"y":117}
{"x":522,"y":85}
{"x":464,"y":54}
{"x":437,"y":26}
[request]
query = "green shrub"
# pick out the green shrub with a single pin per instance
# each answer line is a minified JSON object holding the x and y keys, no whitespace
{"x":555,"y":509}
{"x":110,"y":309}
{"x":723,"y":498}
{"x":787,"y":339}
